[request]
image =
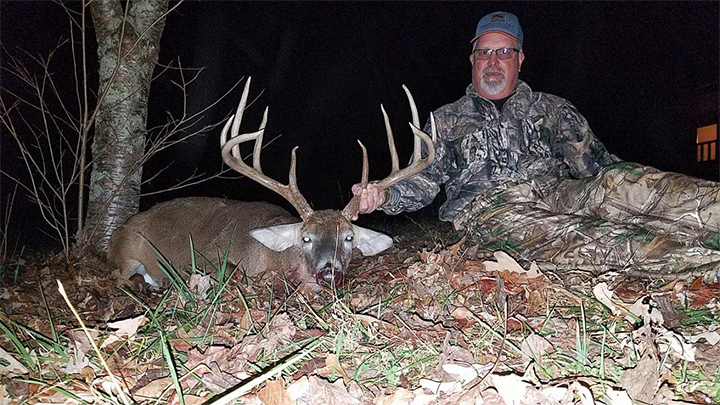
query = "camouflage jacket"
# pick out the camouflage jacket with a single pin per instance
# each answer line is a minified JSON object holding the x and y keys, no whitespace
{"x":479,"y":148}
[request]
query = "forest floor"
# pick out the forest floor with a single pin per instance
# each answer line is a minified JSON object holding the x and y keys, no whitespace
{"x":418,"y":324}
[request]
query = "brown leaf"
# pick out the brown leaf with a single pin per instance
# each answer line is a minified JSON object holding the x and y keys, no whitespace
{"x":474,"y":266}
{"x":488,"y":285}
{"x":274,"y":393}
{"x":88,"y":374}
{"x":700,"y":293}
{"x":314,"y":390}
{"x":332,"y":367}
{"x":456,"y":247}
{"x":536,"y":347}
{"x":401,"y":396}
{"x":642,"y":381}
{"x":387,"y":328}
{"x":309,"y":367}
{"x":154,"y":388}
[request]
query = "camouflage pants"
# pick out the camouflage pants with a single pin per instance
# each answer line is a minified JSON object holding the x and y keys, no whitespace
{"x":629,"y":217}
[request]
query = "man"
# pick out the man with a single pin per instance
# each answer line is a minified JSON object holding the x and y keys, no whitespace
{"x":524,"y":173}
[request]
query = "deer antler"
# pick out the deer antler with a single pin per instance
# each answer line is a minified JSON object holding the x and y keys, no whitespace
{"x":231,"y":157}
{"x":396,"y":175}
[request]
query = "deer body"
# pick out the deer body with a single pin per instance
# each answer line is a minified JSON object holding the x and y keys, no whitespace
{"x":261,"y":237}
{"x":258,"y":237}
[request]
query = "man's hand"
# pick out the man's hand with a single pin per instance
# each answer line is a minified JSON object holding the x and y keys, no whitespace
{"x":370,"y":198}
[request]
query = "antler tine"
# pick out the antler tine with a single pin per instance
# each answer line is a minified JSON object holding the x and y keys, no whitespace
{"x":365,"y":169}
{"x":415,"y":122}
{"x":418,"y":163}
{"x":391,"y":141}
{"x":231,"y":157}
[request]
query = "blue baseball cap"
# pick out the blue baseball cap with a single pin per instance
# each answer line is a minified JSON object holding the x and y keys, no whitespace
{"x":502,"y":22}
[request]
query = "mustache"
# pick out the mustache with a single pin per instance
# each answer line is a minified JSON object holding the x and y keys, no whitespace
{"x":493,"y":69}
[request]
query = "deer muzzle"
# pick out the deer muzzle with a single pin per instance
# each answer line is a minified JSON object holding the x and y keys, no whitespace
{"x":330,"y":276}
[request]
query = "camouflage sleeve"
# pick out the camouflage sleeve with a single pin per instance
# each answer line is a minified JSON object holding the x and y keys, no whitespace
{"x":420,"y":190}
{"x":577,"y":145}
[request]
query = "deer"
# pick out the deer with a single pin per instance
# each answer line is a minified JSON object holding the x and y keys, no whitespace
{"x":260,"y":237}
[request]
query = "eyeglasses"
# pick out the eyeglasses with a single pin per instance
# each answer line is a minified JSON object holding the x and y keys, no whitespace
{"x":502,"y":53}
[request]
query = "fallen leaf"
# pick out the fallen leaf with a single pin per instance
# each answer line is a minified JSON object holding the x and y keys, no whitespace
{"x":154,"y":388}
{"x":13,"y":366}
{"x":200,"y":284}
{"x":700,"y":294}
{"x":274,"y":393}
{"x":712,"y":337}
{"x":602,"y":293}
{"x":674,"y":341}
{"x":454,"y":249}
{"x":503,"y":262}
{"x":314,"y":390}
{"x":536,"y":347}
{"x":126,"y":328}
{"x":642,"y":381}
{"x":332,"y":368}
{"x":81,"y":341}
{"x":617,"y":397}
{"x":401,"y":396}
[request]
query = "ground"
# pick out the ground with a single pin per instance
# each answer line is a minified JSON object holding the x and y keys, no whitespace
{"x":417,"y":325}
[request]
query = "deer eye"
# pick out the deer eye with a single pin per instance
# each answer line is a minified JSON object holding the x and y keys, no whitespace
{"x":349,"y":238}
{"x":306,"y":239}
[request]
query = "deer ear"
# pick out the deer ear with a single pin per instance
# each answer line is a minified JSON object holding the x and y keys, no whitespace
{"x":370,"y":242}
{"x":278,"y":237}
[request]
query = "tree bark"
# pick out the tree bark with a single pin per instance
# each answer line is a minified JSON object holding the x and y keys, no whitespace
{"x":128,"y":48}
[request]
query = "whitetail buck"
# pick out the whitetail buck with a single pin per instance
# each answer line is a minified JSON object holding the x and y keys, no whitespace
{"x":260,"y":236}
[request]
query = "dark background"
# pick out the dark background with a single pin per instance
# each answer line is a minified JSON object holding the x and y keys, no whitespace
{"x":644,"y":74}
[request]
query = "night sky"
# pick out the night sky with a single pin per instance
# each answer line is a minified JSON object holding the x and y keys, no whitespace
{"x":644,"y":74}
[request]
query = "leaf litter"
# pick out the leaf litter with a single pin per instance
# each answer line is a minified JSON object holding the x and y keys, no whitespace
{"x":419,"y":324}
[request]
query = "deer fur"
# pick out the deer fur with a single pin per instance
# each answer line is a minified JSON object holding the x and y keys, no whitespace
{"x":259,"y":237}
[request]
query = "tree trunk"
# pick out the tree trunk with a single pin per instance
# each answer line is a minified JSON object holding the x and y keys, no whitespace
{"x":128,"y":48}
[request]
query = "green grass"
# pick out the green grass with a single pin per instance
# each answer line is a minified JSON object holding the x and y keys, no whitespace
{"x":386,"y":351}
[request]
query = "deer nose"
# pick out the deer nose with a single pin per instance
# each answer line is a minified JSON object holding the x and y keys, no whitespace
{"x":330,"y":277}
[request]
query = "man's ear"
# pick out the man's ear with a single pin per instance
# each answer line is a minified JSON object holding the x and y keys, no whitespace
{"x":521,"y":58}
{"x":472,"y":58}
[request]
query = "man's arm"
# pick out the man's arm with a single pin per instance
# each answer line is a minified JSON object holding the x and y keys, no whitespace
{"x":578,"y":146}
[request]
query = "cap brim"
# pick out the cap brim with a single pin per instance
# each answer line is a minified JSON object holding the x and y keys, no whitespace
{"x":499,"y":32}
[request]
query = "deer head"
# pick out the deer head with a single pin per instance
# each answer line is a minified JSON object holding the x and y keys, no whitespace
{"x":326,"y":238}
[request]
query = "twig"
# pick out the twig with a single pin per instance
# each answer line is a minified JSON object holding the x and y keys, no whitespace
{"x":113,"y":379}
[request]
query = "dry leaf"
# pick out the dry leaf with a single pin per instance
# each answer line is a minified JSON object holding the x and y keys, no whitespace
{"x":672,"y":340}
{"x":274,"y":393}
{"x":401,"y":396}
{"x":604,"y":294}
{"x":511,"y":388}
{"x":333,"y":367}
{"x":314,"y":390}
{"x":128,"y":327}
{"x":200,"y":284}
{"x":711,"y":337}
{"x":125,"y":328}
{"x":617,"y":397}
{"x":80,"y":339}
{"x":536,"y":347}
{"x":13,"y":367}
{"x":506,"y":262}
{"x":154,"y":388}
{"x":642,"y":381}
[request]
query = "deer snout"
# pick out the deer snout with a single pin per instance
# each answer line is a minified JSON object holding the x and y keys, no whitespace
{"x":330,"y":275}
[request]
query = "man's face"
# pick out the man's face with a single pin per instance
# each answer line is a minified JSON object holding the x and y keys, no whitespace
{"x":495,"y":78}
